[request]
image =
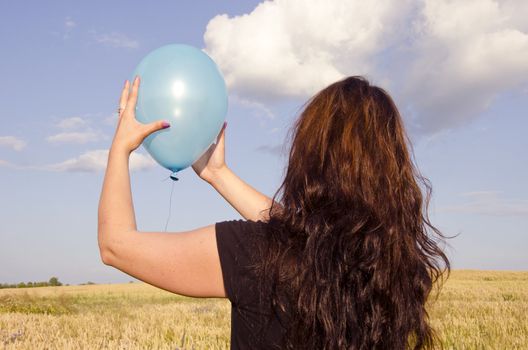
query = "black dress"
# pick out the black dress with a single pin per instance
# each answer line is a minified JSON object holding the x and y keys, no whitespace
{"x":241,"y":286}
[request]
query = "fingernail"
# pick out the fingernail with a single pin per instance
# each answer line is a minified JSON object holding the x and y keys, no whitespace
{"x":136,"y":78}
{"x":165,"y":124}
{"x":126,"y":82}
{"x":225,"y":124}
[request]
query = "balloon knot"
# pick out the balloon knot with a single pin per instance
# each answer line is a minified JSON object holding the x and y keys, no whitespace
{"x":173,"y":176}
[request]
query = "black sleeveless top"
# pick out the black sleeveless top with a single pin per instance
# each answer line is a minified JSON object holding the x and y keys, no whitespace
{"x":241,"y":286}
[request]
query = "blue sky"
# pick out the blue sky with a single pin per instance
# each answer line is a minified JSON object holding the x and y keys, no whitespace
{"x":458,"y":72}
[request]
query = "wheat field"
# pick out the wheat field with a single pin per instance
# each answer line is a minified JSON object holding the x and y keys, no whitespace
{"x":475,"y":310}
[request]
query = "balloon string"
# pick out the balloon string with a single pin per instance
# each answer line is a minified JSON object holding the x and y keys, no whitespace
{"x":170,"y":207}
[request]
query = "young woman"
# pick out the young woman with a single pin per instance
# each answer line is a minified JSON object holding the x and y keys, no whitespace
{"x":346,"y":259}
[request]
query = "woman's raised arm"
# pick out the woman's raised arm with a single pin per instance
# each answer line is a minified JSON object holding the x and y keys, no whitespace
{"x":186,"y":262}
{"x":211,"y":167}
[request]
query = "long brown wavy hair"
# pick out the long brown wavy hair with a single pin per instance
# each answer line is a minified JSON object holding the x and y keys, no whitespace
{"x":351,"y":252}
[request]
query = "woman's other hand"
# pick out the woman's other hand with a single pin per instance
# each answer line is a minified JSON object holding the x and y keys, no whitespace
{"x":213,"y":160}
{"x":130,"y":133}
{"x":211,"y":167}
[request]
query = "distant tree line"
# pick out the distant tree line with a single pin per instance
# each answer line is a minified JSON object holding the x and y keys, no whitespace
{"x":53,"y":282}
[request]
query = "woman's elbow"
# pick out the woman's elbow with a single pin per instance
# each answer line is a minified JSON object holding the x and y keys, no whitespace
{"x":105,"y":251}
{"x":106,"y":256}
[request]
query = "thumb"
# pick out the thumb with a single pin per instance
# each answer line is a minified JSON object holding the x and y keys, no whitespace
{"x":220,"y":139}
{"x":155,"y":126}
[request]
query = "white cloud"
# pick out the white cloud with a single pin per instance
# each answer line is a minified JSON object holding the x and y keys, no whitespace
{"x":276,"y":150}
{"x":71,"y":123}
{"x":111,"y":119}
{"x":139,"y":161}
{"x":259,"y":109}
{"x":117,"y":40}
{"x":74,"y":137}
{"x":7,"y":164}
{"x":90,"y":161}
{"x":446,"y":61}
{"x":293,"y":48}
{"x":76,"y":130}
{"x":12,"y":142}
{"x":492,"y":203}
{"x":96,"y":160}
{"x":465,"y":54}
{"x":69,"y":23}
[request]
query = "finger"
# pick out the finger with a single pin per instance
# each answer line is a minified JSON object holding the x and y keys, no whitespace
{"x":132,"y":98}
{"x":124,"y":97}
{"x":154,"y":126}
{"x":220,"y":140}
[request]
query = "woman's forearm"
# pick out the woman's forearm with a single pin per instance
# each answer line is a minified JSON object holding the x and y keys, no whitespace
{"x":249,"y":202}
{"x":116,"y":210}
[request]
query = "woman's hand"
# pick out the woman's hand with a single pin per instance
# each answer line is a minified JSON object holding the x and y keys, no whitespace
{"x":213,"y":160}
{"x":211,"y":167}
{"x":130,"y":133}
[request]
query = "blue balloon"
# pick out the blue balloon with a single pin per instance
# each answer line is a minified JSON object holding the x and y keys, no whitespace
{"x":183,"y":85}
